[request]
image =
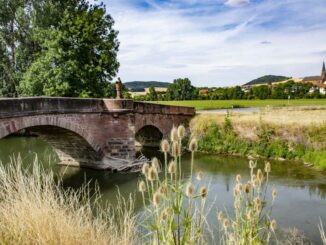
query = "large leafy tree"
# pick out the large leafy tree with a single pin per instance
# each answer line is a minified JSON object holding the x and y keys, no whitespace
{"x":14,"y":38}
{"x":181,"y":89}
{"x":78,"y":58}
{"x":19,"y":19}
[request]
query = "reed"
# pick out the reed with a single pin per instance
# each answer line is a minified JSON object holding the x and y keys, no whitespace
{"x":35,"y":209}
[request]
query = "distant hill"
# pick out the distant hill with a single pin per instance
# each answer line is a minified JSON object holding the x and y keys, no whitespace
{"x":139,"y":86}
{"x":267,"y":79}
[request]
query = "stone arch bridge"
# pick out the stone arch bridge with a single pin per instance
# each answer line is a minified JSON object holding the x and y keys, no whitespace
{"x":87,"y":132}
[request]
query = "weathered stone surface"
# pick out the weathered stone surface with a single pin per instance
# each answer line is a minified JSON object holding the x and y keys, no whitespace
{"x":87,"y":131}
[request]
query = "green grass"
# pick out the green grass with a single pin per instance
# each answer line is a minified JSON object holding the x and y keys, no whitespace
{"x":226,"y":104}
{"x":270,"y":142}
{"x":317,"y":158}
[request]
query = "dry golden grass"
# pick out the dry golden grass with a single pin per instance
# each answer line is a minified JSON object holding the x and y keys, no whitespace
{"x":283,"y":116}
{"x":36,"y":210}
{"x":300,"y":126}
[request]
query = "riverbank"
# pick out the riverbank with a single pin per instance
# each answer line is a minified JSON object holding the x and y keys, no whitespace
{"x":29,"y":195}
{"x":228,"y":104}
{"x":288,"y":133}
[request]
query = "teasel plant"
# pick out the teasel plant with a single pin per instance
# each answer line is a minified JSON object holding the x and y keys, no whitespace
{"x":251,"y":221}
{"x":173,"y":205}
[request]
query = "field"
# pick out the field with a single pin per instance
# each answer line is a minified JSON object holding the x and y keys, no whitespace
{"x":287,"y":117}
{"x":226,"y":104}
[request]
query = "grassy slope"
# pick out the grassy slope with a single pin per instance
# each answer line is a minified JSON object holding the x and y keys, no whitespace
{"x":275,"y":133}
{"x":225,"y":104}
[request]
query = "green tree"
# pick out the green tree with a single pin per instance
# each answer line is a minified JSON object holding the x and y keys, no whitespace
{"x":78,"y":58}
{"x":14,"y":34}
{"x":152,"y":95}
{"x":261,"y":92}
{"x":19,"y":19}
{"x":181,"y":89}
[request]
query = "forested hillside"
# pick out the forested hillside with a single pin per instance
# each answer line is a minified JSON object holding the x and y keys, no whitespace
{"x":267,"y":79}
{"x":138,"y":86}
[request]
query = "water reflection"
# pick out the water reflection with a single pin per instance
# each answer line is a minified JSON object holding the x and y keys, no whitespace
{"x":302,"y":190}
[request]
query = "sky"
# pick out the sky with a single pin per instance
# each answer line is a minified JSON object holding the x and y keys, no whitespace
{"x":218,"y":42}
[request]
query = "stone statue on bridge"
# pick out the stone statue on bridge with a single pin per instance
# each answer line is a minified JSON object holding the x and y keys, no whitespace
{"x":118,"y":88}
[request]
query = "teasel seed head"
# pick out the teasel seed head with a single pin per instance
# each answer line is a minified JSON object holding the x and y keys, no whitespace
{"x":220,"y":216}
{"x":268,"y":167}
{"x":254,"y":181}
{"x":239,"y":187}
{"x":165,"y":214}
{"x":248,"y":187}
{"x":189,"y":190}
{"x":145,"y":169}
{"x":226,"y":223}
{"x":273,"y":225}
{"x":200,"y":176}
{"x":260,"y":175}
{"x":156,"y":198}
{"x":156,"y":164}
{"x":203,"y":192}
{"x":257,"y":201}
{"x":174,"y":134}
{"x":172,"y":168}
{"x":165,"y":146}
{"x":238,"y":178}
{"x":258,"y":205}
{"x":252,"y":164}
{"x":175,"y":149}
{"x":163,"y":189}
{"x":181,"y":132}
{"x":152,"y":174}
{"x":193,"y":145}
{"x":142,"y":186}
{"x":274,"y":194}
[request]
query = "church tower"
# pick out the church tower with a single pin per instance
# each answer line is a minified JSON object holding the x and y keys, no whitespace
{"x":323,"y":73}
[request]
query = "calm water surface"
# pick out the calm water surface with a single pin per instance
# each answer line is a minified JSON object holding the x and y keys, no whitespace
{"x":300,"y":203}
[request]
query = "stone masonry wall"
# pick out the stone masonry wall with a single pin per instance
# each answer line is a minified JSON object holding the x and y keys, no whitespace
{"x":107,"y":134}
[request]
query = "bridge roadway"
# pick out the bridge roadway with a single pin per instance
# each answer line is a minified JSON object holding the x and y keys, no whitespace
{"x":90,"y":132}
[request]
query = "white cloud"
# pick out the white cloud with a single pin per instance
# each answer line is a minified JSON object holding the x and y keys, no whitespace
{"x":218,"y":48}
{"x":236,"y":3}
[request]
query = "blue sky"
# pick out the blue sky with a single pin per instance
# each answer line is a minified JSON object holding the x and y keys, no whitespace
{"x":219,"y":42}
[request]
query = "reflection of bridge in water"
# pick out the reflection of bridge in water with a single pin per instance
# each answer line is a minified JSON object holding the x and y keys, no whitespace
{"x":87,"y":132}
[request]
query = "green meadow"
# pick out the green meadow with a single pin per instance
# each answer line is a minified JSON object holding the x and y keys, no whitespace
{"x":226,"y":104}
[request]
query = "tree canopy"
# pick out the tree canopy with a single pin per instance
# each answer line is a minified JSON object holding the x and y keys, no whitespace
{"x":181,"y":89}
{"x":56,"y":48}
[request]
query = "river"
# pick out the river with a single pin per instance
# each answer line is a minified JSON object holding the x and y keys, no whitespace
{"x":301,"y":197}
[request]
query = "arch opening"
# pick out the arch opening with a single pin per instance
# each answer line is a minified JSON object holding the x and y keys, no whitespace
{"x":71,"y":148}
{"x":148,"y":136}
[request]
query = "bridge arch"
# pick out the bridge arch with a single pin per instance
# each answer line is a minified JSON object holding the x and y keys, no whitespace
{"x":149,"y":135}
{"x":51,"y":121}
